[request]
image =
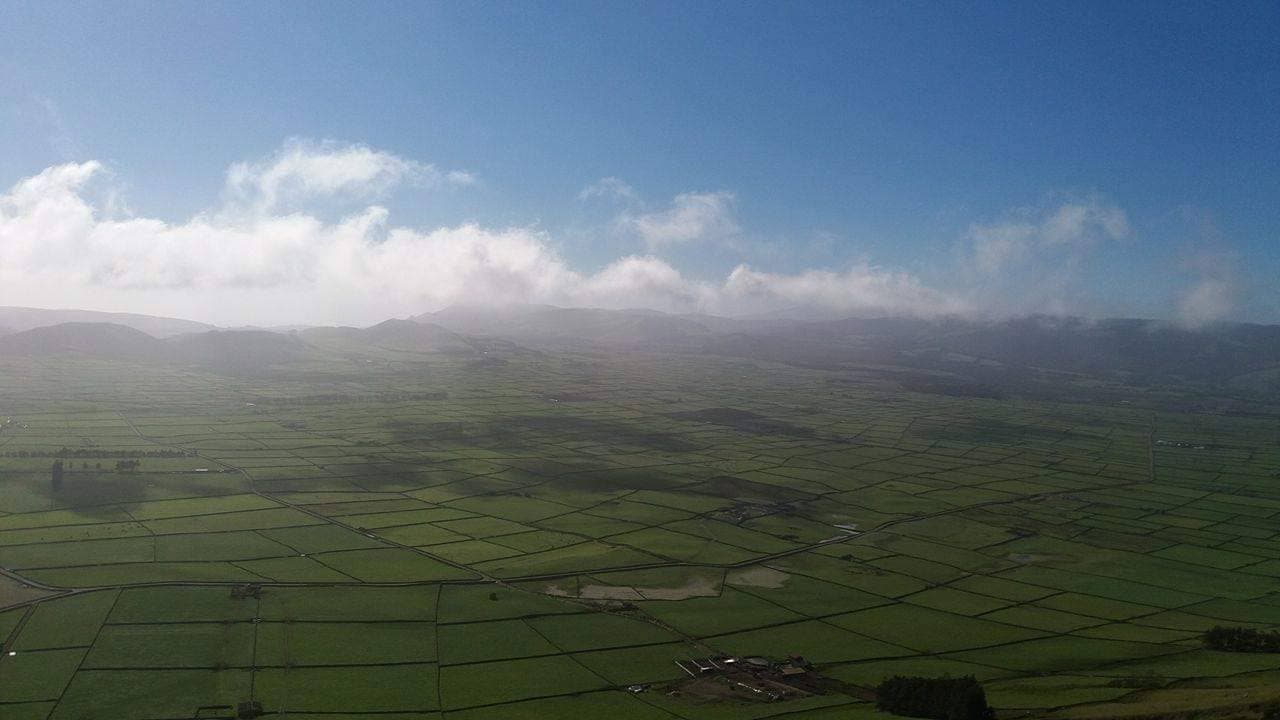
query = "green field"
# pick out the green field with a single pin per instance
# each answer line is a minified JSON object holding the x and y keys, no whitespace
{"x":435,"y":538}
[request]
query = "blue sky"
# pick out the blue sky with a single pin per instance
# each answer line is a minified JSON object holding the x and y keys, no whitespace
{"x":852,"y":157}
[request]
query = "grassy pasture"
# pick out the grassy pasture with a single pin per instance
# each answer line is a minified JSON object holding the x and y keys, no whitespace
{"x":377,"y":689}
{"x":37,"y":675}
{"x":471,"y":603}
{"x":596,"y":631}
{"x":390,"y":565}
{"x":215,"y":645}
{"x":591,"y":704}
{"x":179,"y":604}
{"x":496,"y":640}
{"x":428,"y":539}
{"x":339,"y":604}
{"x":300,"y":644}
{"x":66,"y":622}
{"x":930,"y":631}
{"x":817,"y":641}
{"x":510,"y":680}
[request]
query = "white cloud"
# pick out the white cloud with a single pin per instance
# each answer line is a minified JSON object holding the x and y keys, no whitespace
{"x":1213,"y":289}
{"x":643,"y":281}
{"x":461,"y":178}
{"x":1032,"y":261}
{"x":304,"y":170}
{"x":1208,"y":300}
{"x":1084,"y":223}
{"x":610,"y":188}
{"x":264,"y":265}
{"x":60,"y":136}
{"x":996,"y":246}
{"x":692,"y":216}
{"x":1067,"y":231}
{"x":43,"y":218}
{"x":863,"y":289}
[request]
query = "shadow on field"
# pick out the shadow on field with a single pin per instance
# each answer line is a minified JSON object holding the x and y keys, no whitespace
{"x":610,"y":479}
{"x":745,"y":421}
{"x":514,"y":433}
{"x":726,"y":486}
{"x":92,"y":492}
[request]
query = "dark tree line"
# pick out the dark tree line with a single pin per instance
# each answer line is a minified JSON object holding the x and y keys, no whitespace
{"x":1241,"y":639}
{"x":57,"y":472}
{"x":944,"y":698}
{"x":66,"y":453}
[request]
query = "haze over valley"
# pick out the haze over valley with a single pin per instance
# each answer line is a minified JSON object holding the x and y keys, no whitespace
{"x":641,"y":361}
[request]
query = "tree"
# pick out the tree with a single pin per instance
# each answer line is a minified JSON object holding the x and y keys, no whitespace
{"x":55,"y":475}
{"x":1241,"y":639}
{"x":943,"y":698}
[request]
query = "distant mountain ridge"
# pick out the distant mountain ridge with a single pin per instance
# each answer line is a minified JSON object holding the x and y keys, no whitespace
{"x":405,"y":335}
{"x":1129,"y":346}
{"x":17,"y":319}
{"x":221,"y":350}
{"x":956,"y":354}
{"x":106,"y":341}
{"x":549,"y":324}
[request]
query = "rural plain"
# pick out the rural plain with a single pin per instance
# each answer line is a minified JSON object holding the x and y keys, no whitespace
{"x":403,"y":530}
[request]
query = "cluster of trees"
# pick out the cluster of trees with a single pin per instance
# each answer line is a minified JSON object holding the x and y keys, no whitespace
{"x":68,"y":453}
{"x":944,"y":698}
{"x":57,"y":471}
{"x":1241,"y":639}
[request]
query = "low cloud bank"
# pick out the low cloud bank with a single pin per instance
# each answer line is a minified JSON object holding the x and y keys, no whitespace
{"x":1034,"y":260}
{"x":260,"y":257}
{"x":271,"y":252}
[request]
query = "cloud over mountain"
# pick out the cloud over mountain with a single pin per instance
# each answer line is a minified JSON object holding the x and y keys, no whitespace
{"x":1068,"y":230}
{"x":1032,"y":259}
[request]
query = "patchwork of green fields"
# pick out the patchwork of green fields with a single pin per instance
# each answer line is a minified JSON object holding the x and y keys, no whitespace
{"x":543,"y":533}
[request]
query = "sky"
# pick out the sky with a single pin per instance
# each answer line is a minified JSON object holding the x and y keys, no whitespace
{"x":280,"y":163}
